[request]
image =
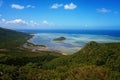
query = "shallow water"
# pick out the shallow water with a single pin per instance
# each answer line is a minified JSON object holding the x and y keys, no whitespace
{"x":73,"y":42}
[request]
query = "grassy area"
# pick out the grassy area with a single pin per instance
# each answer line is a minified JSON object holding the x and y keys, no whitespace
{"x":95,"y":61}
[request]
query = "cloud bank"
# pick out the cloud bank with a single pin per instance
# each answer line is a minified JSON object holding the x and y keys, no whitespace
{"x":19,"y":23}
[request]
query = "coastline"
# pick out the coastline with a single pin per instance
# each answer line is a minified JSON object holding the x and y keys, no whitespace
{"x":34,"y":48}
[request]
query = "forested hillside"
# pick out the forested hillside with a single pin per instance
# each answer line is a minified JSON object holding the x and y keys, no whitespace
{"x":95,"y":61}
{"x":12,"y":39}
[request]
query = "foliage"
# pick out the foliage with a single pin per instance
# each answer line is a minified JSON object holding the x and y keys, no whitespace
{"x":59,"y":39}
{"x":12,"y":39}
{"x":95,"y":61}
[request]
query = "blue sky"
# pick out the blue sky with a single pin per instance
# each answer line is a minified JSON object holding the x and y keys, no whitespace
{"x":60,"y":14}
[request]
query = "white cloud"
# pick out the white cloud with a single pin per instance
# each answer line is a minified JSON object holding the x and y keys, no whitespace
{"x":19,"y":23}
{"x":47,"y":23}
{"x":17,"y":6}
{"x":103,"y":10}
{"x":16,"y":21}
{"x":70,"y":6}
{"x":55,"y":6}
{"x":1,"y":2}
{"x":33,"y":23}
{"x":30,"y":6}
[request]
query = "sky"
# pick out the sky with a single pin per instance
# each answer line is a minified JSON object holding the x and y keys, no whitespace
{"x":60,"y":14}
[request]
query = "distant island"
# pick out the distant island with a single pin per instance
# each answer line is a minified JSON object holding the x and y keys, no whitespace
{"x":59,"y":39}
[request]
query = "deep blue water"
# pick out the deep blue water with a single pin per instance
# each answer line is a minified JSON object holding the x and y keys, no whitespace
{"x":75,"y":39}
{"x":96,"y":32}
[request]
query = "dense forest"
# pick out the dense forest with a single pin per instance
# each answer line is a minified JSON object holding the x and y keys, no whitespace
{"x":95,"y":61}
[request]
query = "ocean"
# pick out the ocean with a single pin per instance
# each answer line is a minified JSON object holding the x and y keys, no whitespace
{"x":75,"y":39}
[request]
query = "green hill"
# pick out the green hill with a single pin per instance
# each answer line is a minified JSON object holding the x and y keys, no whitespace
{"x":12,"y":39}
{"x":95,"y":61}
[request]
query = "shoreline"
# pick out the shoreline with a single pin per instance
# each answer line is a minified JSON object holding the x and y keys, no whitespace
{"x":33,"y":47}
{"x":40,"y":48}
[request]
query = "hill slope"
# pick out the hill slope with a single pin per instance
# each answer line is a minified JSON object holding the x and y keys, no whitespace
{"x":95,"y":61}
{"x":12,"y":39}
